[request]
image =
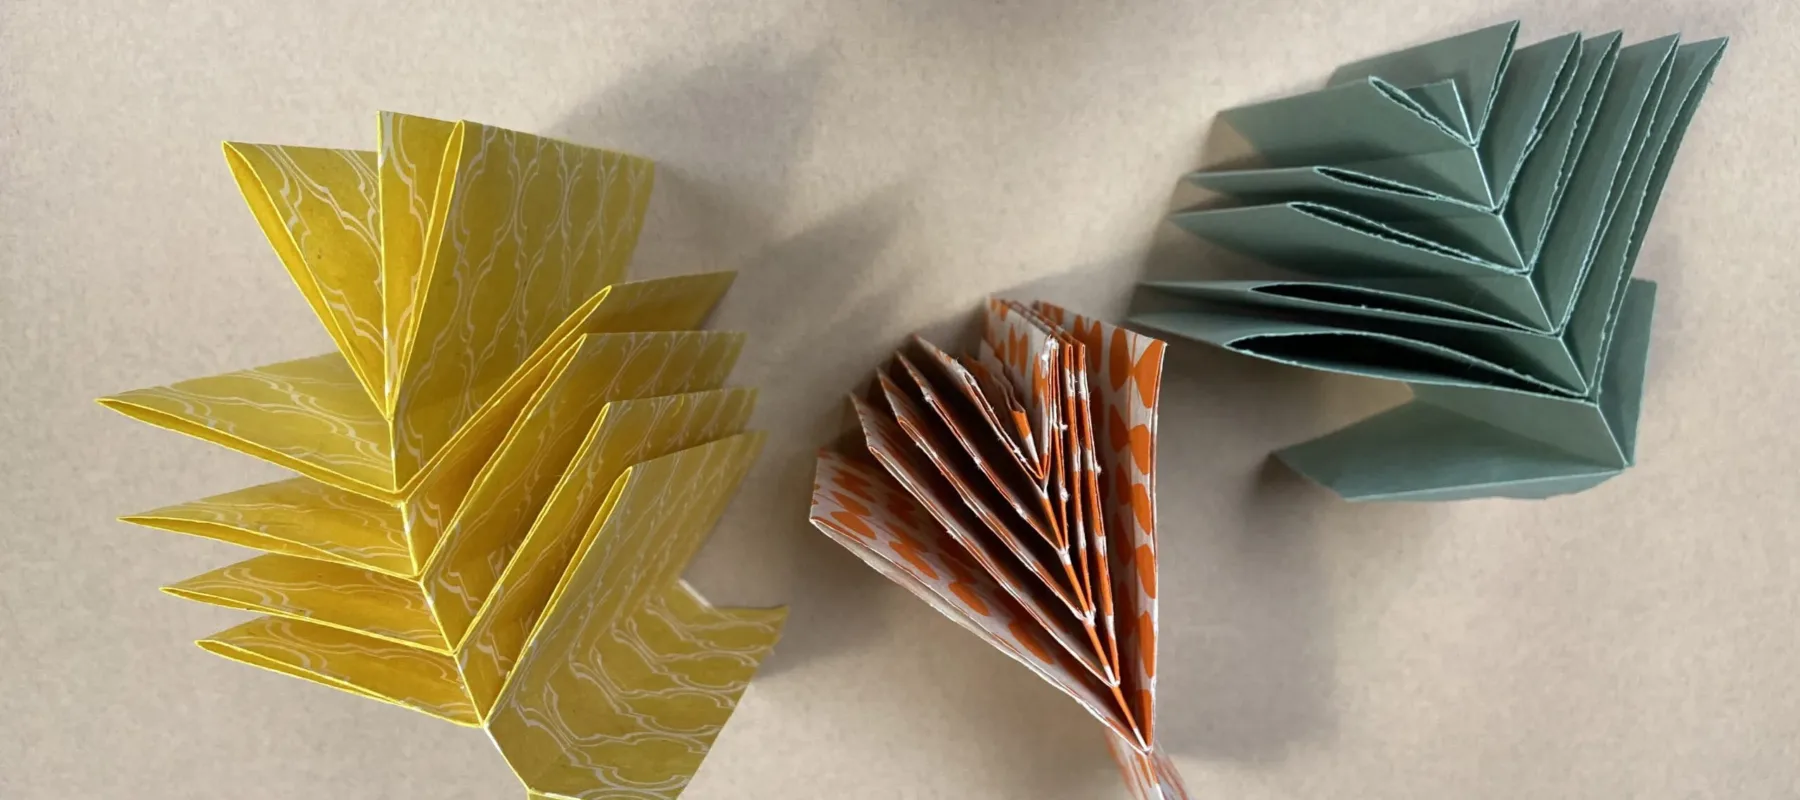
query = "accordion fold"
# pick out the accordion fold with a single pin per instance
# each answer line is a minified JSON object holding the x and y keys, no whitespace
{"x":1012,"y":488}
{"x":501,"y":472}
{"x":1464,"y":217}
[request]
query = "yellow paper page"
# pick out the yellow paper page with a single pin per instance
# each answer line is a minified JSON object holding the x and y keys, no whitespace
{"x":531,"y":228}
{"x":411,"y":156}
{"x":518,"y":480}
{"x":567,"y":722}
{"x":394,"y":673}
{"x":312,"y":416}
{"x":318,"y":208}
{"x":297,"y":517}
{"x":678,"y":668}
{"x":627,"y":432}
{"x":335,"y":595}
{"x":309,"y":415}
{"x":661,"y":304}
{"x":431,"y":502}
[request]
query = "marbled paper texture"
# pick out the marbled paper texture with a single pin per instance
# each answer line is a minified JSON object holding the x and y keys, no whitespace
{"x":508,"y":426}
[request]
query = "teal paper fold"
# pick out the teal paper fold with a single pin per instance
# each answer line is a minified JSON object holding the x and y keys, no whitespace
{"x":1463,"y":216}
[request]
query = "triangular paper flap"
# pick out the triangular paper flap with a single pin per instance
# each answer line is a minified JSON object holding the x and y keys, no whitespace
{"x":1457,"y":173}
{"x":1473,"y":62}
{"x":1597,"y":304}
{"x":1405,"y":208}
{"x":1335,"y":349}
{"x":1321,"y":238}
{"x":1368,"y":125}
{"x":433,"y":500}
{"x":1538,"y":188}
{"x":335,"y":595}
{"x":1336,"y":244}
{"x":1536,"y":81}
{"x":735,"y":628}
{"x":1488,"y":391}
{"x":861,"y":508}
{"x":564,"y":696}
{"x":657,"y":692}
{"x":627,"y":432}
{"x":935,"y":407}
{"x":411,"y":166}
{"x":1573,"y":426}
{"x":318,"y":208}
{"x":1148,"y":775}
{"x":532,"y":229}
{"x":1443,"y":102}
{"x":1421,"y":451}
{"x":905,"y":410}
{"x":1539,"y":356}
{"x":1598,"y":183}
{"x":1711,"y":51}
{"x":661,"y":304}
{"x":1627,"y":361}
{"x":312,"y":416}
{"x":517,"y":481}
{"x":306,"y":518}
{"x":1024,"y":353}
{"x":1021,"y":574}
{"x":1124,"y":371}
{"x":393,"y":673}
{"x":297,"y":517}
{"x":309,"y":415}
{"x":652,"y":521}
{"x":1341,"y":298}
{"x":1602,"y":284}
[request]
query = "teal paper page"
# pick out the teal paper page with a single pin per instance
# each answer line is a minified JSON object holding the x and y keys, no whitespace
{"x":1464,"y":217}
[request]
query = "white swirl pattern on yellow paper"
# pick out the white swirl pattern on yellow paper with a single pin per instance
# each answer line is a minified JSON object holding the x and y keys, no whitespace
{"x":299,"y":517}
{"x":521,"y":475}
{"x":507,"y":274}
{"x":469,"y":276}
{"x":395,"y":673}
{"x":309,"y":415}
{"x":638,"y":729}
{"x":320,"y":212}
{"x":337,"y":595}
{"x":411,"y":159}
{"x":626,"y":433}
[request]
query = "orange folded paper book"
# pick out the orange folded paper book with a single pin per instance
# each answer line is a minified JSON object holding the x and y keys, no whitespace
{"x":1013,"y":489}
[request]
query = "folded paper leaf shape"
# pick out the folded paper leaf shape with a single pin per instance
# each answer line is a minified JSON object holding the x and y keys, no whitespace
{"x":503,"y":469}
{"x":1014,"y":490}
{"x":1466,"y":217}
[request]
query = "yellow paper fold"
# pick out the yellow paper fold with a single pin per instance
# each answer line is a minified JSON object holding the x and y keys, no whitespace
{"x":503,"y":414}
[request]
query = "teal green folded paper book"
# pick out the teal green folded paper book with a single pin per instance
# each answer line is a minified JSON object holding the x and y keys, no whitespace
{"x":1463,"y":216}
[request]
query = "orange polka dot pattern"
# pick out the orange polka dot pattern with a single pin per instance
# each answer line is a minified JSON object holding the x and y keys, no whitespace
{"x":1014,"y":491}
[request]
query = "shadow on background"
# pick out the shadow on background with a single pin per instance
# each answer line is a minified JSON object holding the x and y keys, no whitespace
{"x":722,"y":203}
{"x":823,"y":302}
{"x":1248,"y":650}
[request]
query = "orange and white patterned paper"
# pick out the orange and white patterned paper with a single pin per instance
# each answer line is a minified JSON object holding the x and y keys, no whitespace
{"x":1013,"y":489}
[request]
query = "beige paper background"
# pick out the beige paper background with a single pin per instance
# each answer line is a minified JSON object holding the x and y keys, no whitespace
{"x":872,"y":168}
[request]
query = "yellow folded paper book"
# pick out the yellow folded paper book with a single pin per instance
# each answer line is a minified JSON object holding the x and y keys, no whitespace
{"x":504,"y":468}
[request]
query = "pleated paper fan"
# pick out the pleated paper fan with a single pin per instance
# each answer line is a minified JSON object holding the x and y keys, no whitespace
{"x":1014,"y":490}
